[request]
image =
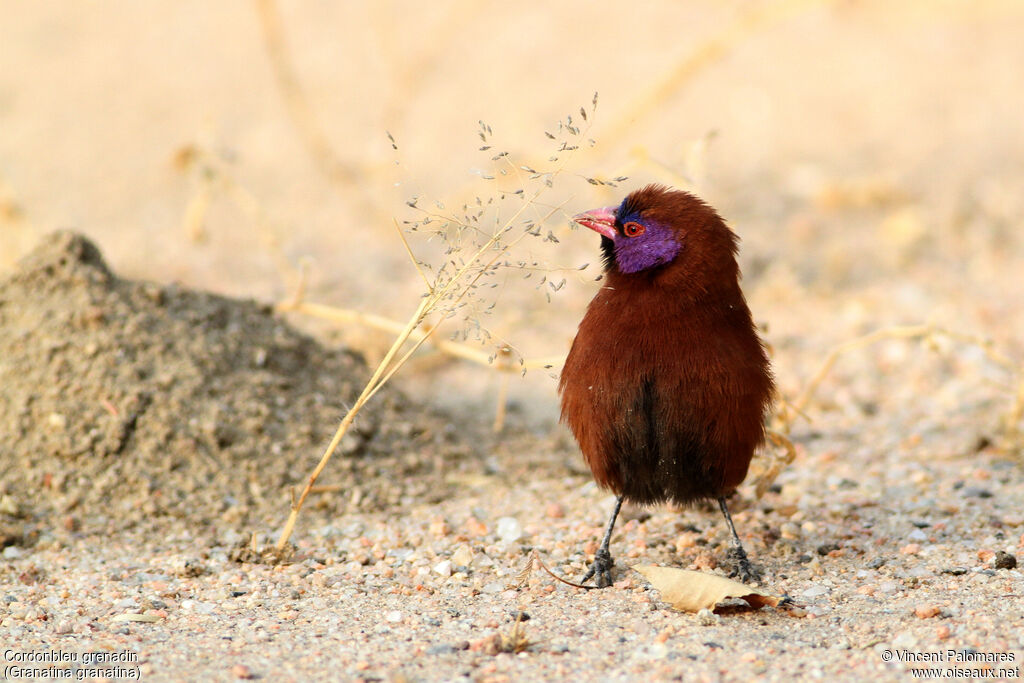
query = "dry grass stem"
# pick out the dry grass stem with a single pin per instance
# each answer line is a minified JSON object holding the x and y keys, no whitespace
{"x":749,"y":22}
{"x":534,"y":562}
{"x":444,"y":294}
{"x":502,"y":407}
{"x":454,"y":349}
{"x":299,"y":109}
{"x":771,"y":462}
{"x":213,"y":177}
{"x":370,"y":388}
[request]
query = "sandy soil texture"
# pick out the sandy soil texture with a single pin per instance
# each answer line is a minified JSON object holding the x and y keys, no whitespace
{"x":169,"y":174}
{"x":123,"y":522}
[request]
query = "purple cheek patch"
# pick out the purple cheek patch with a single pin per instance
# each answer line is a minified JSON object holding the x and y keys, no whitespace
{"x":656,"y":247}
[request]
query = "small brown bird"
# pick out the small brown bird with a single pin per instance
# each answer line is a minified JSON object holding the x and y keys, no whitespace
{"x":667,"y":384}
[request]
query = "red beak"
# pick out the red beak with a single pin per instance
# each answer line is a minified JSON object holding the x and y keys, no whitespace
{"x":599,"y":220}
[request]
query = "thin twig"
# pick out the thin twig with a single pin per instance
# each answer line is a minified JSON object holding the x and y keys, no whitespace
{"x":370,"y":388}
{"x":305,"y":120}
{"x":535,"y":560}
{"x":378,"y":322}
{"x":452,"y":289}
{"x":412,"y":256}
{"x":502,"y":407}
{"x":214,"y":174}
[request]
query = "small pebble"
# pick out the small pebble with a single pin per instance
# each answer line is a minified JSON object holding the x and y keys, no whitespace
{"x":189,"y":605}
{"x":706,"y":617}
{"x":242,"y":671}
{"x":905,"y":640}
{"x":439,"y":528}
{"x":9,"y":506}
{"x":926,"y":611}
{"x":656,"y":651}
{"x":463,"y":556}
{"x":555,"y":510}
{"x":509,"y":529}
{"x":685,"y":541}
{"x":815,"y":591}
{"x":1004,"y":560}
{"x":474,"y":527}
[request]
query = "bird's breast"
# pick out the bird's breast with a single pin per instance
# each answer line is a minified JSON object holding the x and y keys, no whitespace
{"x":666,"y":399}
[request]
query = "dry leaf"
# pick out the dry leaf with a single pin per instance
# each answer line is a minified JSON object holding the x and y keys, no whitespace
{"x":692,"y":591}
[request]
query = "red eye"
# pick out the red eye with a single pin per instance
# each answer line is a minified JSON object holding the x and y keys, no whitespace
{"x":632,"y":229}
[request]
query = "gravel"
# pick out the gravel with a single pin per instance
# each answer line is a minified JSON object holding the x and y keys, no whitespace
{"x":121,"y":529}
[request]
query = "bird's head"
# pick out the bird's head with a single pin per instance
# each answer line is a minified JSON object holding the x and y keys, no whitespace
{"x":655,"y":226}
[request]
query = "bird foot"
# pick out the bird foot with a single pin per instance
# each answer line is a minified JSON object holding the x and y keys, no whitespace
{"x":743,"y":570}
{"x":601,"y":569}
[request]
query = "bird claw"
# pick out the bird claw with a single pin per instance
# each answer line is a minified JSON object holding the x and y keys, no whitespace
{"x":743,"y":570}
{"x":601,"y":569}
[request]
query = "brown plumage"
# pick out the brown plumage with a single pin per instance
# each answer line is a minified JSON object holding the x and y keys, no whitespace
{"x":667,"y":383}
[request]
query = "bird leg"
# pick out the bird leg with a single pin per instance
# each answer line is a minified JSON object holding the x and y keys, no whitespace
{"x":746,"y":571}
{"x":601,"y":569}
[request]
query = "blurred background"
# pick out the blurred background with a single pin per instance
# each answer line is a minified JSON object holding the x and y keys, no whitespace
{"x":870,"y":155}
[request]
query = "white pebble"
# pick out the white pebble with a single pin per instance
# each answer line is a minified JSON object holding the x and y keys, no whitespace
{"x":509,"y":529}
{"x":815,"y":591}
{"x":444,"y":568}
{"x":707,"y":618}
{"x":905,"y":640}
{"x":199,"y":607}
{"x":463,"y":556}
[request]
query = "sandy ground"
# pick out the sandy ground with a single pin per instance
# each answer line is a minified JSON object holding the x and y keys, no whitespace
{"x":154,"y":417}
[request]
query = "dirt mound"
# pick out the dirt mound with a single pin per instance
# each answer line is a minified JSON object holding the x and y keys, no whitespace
{"x":127,"y":402}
